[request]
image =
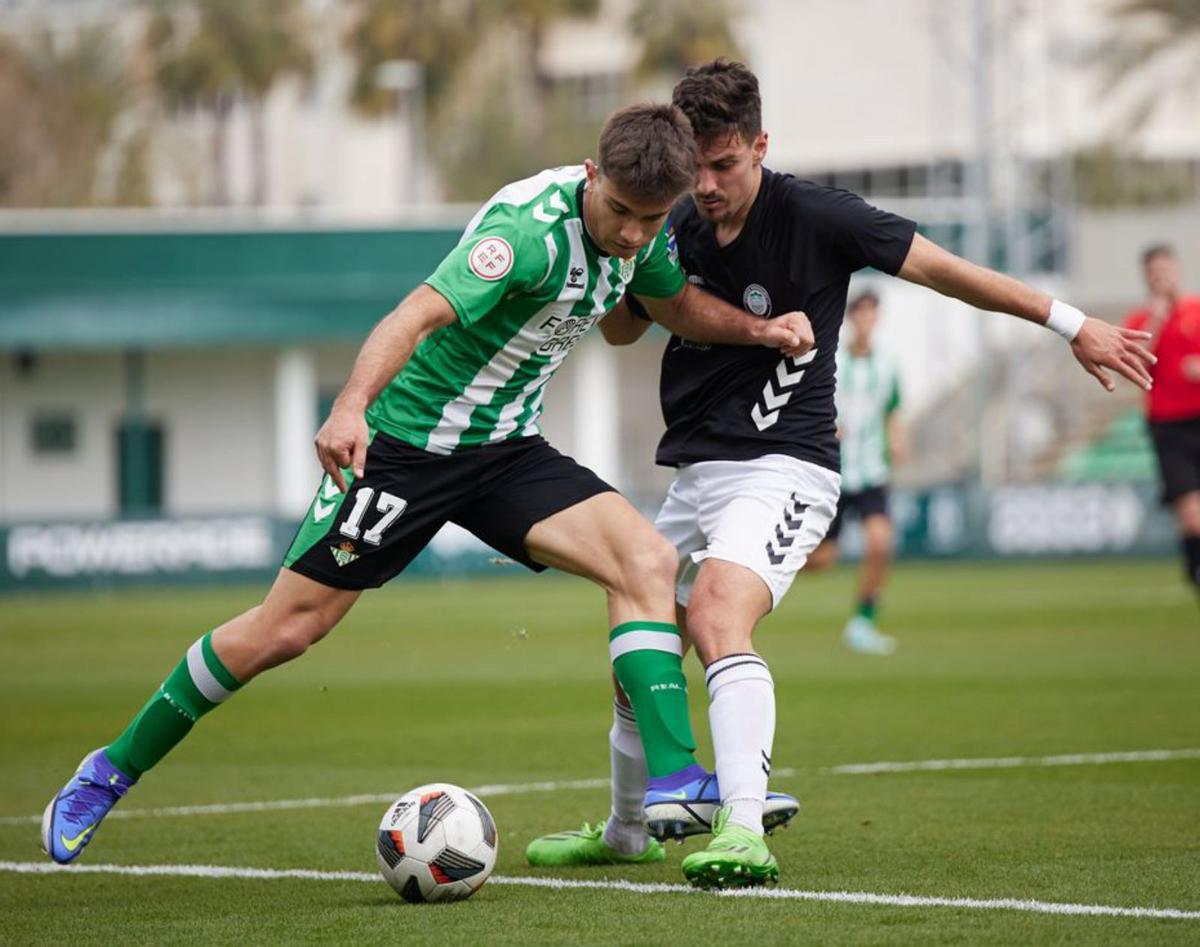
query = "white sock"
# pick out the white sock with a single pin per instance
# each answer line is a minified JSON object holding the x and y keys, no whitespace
{"x":741,"y":713}
{"x":625,"y":829}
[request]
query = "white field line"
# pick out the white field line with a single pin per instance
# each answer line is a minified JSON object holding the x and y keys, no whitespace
{"x":513,"y":789}
{"x":1014,"y":762}
{"x":336,"y":802}
{"x":774,"y":894}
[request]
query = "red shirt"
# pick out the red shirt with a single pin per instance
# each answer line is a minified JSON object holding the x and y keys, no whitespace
{"x":1174,"y":397}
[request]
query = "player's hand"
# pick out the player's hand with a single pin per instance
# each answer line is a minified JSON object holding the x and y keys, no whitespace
{"x":1100,"y":345}
{"x":342,"y":442}
{"x":791,"y":333}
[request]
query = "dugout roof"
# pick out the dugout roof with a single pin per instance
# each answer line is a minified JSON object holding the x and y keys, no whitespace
{"x":167,"y":289}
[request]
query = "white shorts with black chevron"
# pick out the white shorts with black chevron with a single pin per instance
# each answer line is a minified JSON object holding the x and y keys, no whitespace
{"x":766,"y":514}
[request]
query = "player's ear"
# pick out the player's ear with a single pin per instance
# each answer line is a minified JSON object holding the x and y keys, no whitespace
{"x":758,"y":150}
{"x":592,"y":169}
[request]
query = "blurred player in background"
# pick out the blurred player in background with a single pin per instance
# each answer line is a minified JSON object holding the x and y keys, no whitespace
{"x":872,"y":441}
{"x":1173,"y":405}
{"x":753,"y":437}
{"x":438,"y":423}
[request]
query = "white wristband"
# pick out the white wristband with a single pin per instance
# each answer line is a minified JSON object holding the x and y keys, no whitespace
{"x":1065,"y":319}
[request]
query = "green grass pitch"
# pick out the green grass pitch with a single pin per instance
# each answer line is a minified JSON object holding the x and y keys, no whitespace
{"x":504,"y":680}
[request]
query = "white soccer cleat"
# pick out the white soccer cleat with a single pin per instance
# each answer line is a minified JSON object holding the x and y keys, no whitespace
{"x":861,"y":635}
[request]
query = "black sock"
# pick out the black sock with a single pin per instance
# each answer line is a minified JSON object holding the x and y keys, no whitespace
{"x":1191,"y":554}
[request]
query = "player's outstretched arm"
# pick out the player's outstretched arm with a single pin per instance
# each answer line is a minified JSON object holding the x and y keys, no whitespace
{"x":698,"y":316}
{"x":342,"y":440}
{"x":1096,"y":344}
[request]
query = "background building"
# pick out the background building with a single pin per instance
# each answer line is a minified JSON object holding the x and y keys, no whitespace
{"x":222,"y":239}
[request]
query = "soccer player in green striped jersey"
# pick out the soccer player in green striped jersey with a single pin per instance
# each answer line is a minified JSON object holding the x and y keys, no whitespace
{"x":872,"y":440}
{"x":438,"y":423}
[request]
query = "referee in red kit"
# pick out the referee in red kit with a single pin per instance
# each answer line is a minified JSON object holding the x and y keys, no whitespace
{"x":1173,"y":404}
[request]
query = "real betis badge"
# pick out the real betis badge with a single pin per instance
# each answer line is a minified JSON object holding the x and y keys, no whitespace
{"x":344,"y":554}
{"x":627,"y":266}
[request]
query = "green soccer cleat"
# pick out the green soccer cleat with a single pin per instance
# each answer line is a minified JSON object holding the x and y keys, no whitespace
{"x":735,"y":858}
{"x":586,"y":847}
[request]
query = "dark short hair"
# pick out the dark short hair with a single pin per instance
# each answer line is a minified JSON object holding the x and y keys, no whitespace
{"x":719,"y":98}
{"x":649,"y":152}
{"x":1157,"y":250}
{"x":866,"y":297}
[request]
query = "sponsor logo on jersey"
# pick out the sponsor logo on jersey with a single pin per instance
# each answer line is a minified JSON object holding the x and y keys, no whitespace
{"x":672,"y":246}
{"x":343,"y":553}
{"x":757,"y":300}
{"x":575,"y":277}
{"x":564,"y":332}
{"x":491,"y":258}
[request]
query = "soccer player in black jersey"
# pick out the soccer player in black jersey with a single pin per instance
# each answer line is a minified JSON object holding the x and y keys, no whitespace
{"x":753,"y":436}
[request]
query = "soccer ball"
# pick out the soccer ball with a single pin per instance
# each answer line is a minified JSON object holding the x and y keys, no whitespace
{"x":436,"y":843}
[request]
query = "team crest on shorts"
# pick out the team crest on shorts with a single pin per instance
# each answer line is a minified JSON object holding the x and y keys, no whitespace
{"x":757,"y":300}
{"x":344,"y":553}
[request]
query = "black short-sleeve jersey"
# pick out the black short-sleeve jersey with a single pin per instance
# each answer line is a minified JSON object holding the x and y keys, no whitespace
{"x":797,"y":249}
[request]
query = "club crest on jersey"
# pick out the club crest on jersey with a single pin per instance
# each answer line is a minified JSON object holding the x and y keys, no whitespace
{"x":757,"y":300}
{"x":672,"y":246}
{"x":627,"y":268}
{"x":344,"y":553}
{"x":491,"y":258}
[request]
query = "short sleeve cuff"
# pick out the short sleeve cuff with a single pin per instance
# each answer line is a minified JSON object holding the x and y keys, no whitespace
{"x":460,"y":308}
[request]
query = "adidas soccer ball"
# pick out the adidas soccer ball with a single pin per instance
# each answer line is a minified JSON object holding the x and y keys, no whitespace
{"x":436,"y":843}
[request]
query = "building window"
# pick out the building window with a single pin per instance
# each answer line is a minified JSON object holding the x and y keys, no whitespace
{"x":53,"y":434}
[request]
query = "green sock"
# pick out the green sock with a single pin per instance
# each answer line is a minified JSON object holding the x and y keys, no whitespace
{"x":646,"y":658}
{"x":199,"y":682}
{"x":866,"y":609}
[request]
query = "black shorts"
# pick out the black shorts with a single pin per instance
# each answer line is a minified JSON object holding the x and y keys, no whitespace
{"x":1177,"y":444}
{"x":872,"y":501}
{"x":363,"y":538}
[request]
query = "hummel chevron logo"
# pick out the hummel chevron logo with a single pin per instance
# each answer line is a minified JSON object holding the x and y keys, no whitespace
{"x":764,"y":421}
{"x":785,"y":535}
{"x":329,"y":490}
{"x":556,"y":203}
{"x":775,"y":401}
{"x":778,"y":390}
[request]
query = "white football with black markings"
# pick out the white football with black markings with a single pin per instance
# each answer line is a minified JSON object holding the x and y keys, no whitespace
{"x":436,"y":843}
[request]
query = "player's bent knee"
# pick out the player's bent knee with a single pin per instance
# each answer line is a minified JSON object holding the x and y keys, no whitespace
{"x":298,"y":631}
{"x":650,"y":567}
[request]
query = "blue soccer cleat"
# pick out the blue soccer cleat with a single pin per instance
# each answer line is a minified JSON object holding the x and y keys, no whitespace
{"x":73,"y":816}
{"x":689,"y":808}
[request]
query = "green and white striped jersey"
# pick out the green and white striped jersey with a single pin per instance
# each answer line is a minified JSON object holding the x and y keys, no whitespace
{"x":526,"y":282}
{"x":868,"y":391}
